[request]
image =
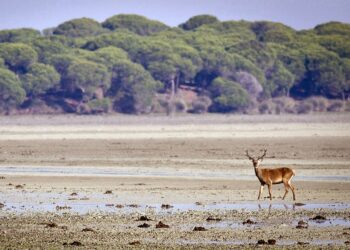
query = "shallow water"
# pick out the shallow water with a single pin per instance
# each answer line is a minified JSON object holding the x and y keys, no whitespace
{"x":152,"y":172}
{"x":86,"y":206}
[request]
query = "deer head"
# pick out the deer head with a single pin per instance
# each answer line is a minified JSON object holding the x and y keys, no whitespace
{"x":256,"y":162}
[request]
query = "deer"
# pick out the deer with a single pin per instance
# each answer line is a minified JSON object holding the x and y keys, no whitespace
{"x":271,"y":176}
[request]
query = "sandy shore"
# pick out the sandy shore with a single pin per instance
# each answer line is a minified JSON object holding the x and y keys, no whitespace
{"x":85,"y":181}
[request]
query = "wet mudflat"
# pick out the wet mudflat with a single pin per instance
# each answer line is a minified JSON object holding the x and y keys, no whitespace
{"x":183,"y":183}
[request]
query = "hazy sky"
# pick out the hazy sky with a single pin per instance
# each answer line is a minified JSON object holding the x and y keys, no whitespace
{"x":299,"y":14}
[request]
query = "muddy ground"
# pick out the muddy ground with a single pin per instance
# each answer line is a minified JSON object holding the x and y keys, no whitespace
{"x":86,"y":182}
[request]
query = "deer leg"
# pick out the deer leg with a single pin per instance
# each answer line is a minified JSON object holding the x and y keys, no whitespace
{"x":270,"y":186}
{"x":260,"y":191}
{"x":286,"y":187}
{"x":292,"y":188}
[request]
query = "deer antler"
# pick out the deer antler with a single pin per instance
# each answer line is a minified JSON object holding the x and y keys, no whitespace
{"x":264,"y":154}
{"x":247,"y":154}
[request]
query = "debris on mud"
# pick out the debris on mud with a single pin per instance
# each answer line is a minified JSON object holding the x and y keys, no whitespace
{"x":108,"y":192}
{"x":166,"y":206}
{"x":302,"y":225}
{"x":88,"y":229}
{"x":133,"y":205}
{"x":133,"y":243}
{"x":249,"y":222}
{"x":271,"y":241}
{"x":144,"y":225}
{"x":63,"y":207}
{"x":143,"y":218}
{"x":119,"y":206}
{"x":161,"y":225}
{"x":318,"y":217}
{"x":74,"y":243}
{"x":49,"y":224}
{"x":19,"y":186}
{"x":210,"y":218}
{"x":262,"y":242}
{"x":198,"y":203}
{"x":302,"y":243}
{"x":199,"y":229}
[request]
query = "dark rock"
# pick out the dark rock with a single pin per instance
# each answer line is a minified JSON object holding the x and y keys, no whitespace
{"x":302,"y":243}
{"x":119,"y":206}
{"x":318,"y":217}
{"x":271,"y":241}
{"x":249,"y":222}
{"x":133,"y":243}
{"x":298,"y":204}
{"x":133,"y":205}
{"x":199,"y":229}
{"x":76,"y":243}
{"x":144,"y":225}
{"x":2,"y":205}
{"x":210,"y":218}
{"x":108,"y":192}
{"x":87,"y":229}
{"x":166,"y":206}
{"x":73,"y":194}
{"x":143,"y":218}
{"x":161,"y":225}
{"x":50,"y":224}
{"x":262,"y":242}
{"x":302,"y":225}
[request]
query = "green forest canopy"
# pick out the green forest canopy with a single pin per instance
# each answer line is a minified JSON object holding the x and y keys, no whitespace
{"x":132,"y":64}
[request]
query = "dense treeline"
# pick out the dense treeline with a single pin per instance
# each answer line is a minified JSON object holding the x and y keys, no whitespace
{"x":131,"y":64}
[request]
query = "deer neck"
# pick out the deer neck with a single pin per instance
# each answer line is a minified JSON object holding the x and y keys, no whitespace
{"x":258,"y":173}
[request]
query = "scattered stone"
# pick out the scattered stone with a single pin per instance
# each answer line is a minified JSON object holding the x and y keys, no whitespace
{"x":347,"y":242}
{"x":210,"y":218}
{"x":161,"y":225}
{"x":249,"y":222}
{"x":318,"y":217}
{"x":199,"y":229}
{"x":133,"y":243}
{"x":144,"y":225}
{"x":143,"y":218}
{"x":74,"y":194}
{"x":108,"y":192}
{"x":19,"y":186}
{"x":271,"y":241}
{"x":10,"y":184}
{"x":166,"y":206}
{"x":302,"y":225}
{"x":88,"y":229}
{"x":198,"y":203}
{"x":119,"y":206}
{"x":262,"y":242}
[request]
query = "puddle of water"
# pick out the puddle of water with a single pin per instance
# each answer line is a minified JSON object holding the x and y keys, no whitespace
{"x":149,"y":172}
{"x":86,"y":206}
{"x":241,"y":242}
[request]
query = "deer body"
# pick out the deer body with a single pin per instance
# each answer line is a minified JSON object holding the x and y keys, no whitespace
{"x":270,"y":176}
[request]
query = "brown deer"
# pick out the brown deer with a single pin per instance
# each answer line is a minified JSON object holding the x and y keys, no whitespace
{"x":270,"y":176}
